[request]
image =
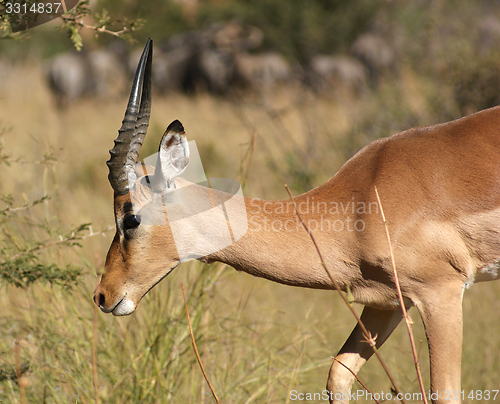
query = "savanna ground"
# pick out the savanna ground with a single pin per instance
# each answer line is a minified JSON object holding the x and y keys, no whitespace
{"x":258,"y":340}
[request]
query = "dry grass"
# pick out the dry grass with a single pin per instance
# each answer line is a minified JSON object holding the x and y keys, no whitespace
{"x":258,"y":340}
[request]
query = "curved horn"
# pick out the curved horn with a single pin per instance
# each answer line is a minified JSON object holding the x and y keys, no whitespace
{"x":134,"y":127}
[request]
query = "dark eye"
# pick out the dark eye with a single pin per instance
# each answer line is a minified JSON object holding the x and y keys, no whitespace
{"x":131,"y":221}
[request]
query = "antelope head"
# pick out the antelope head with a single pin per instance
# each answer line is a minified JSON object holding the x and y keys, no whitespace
{"x":143,"y":250}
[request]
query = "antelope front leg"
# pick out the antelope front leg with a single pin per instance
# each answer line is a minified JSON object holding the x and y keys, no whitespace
{"x":356,"y":352}
{"x":441,"y":312}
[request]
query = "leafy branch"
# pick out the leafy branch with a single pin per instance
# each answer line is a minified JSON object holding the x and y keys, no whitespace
{"x":22,"y":272}
{"x":9,"y":201}
{"x":25,"y":267}
{"x":74,"y":22}
{"x":21,"y":258}
{"x":6,"y":22}
{"x":69,"y":240}
{"x":78,"y":18}
{"x":47,"y":159}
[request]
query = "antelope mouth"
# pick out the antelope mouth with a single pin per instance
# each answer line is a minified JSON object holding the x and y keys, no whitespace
{"x":122,"y":307}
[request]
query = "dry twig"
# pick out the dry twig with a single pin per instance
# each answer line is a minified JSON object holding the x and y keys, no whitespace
{"x":406,"y":316}
{"x":196,"y":349}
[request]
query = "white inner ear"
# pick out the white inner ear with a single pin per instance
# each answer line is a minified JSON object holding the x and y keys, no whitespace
{"x":173,"y":157}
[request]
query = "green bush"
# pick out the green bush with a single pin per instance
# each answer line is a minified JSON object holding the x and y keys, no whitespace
{"x":28,"y":232}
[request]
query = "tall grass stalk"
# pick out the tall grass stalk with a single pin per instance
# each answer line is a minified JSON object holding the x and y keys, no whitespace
{"x":193,"y":341}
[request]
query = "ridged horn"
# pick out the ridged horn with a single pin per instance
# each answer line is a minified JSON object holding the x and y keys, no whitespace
{"x":134,"y":127}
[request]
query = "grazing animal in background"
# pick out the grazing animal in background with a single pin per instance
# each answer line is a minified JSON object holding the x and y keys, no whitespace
{"x":377,"y":55}
{"x":69,"y":77}
{"x":215,"y":60}
{"x":337,"y":72}
{"x":74,"y":75}
{"x":262,"y":72}
{"x":440,"y":191}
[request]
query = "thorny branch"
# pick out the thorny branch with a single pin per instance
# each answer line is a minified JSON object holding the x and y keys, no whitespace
{"x":71,"y":239}
{"x":47,"y":159}
{"x":74,"y":22}
{"x":7,"y":199}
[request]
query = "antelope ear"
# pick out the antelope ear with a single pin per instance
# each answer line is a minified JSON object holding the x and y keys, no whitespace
{"x":173,"y":156}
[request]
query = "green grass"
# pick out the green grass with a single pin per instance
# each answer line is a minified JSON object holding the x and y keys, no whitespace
{"x":258,"y":341}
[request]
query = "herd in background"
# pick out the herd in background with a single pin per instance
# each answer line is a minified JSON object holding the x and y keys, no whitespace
{"x":217,"y":60}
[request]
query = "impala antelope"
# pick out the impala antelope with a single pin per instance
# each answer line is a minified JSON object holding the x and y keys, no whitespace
{"x":440,"y":191}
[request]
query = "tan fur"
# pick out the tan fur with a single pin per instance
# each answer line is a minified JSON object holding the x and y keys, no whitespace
{"x":440,"y":190}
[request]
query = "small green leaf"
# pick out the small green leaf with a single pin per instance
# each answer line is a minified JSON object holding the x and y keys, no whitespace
{"x":76,"y":38}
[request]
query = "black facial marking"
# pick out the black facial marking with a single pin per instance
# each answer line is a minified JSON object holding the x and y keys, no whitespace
{"x":127,"y":207}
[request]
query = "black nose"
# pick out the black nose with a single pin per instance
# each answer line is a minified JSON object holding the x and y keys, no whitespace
{"x":99,"y":300}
